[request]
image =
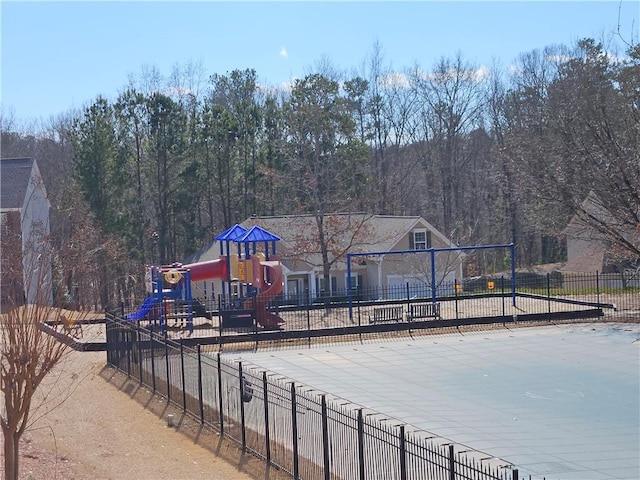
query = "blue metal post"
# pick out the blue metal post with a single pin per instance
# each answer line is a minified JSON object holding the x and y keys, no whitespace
{"x":349,"y":286}
{"x":513,"y":273}
{"x":188,"y":298}
{"x":160,"y":295}
{"x":433,"y":276}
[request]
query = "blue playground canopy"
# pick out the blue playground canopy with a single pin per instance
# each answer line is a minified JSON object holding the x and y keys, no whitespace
{"x":257,"y":234}
{"x":231,"y":234}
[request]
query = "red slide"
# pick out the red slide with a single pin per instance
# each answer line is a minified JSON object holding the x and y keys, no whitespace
{"x":266,"y":291}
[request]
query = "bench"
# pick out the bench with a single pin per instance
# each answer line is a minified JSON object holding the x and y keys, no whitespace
{"x":423,"y":310}
{"x":387,"y":314}
{"x":237,"y":318}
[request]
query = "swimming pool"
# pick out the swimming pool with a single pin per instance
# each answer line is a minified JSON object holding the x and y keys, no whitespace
{"x":558,"y":401}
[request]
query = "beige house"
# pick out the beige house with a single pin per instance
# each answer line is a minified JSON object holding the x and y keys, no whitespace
{"x":588,"y":251}
{"x":587,"y":247}
{"x":24,"y":221}
{"x":387,"y":273}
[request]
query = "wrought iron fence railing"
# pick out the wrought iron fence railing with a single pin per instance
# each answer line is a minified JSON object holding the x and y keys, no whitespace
{"x":477,"y":300}
{"x":307,"y":434}
{"x":585,"y":285}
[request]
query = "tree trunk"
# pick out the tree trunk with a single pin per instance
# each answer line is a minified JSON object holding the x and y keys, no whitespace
{"x":11,"y":442}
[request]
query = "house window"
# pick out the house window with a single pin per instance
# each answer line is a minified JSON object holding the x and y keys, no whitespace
{"x":356,"y":281}
{"x":420,"y":239}
{"x":321,"y":285}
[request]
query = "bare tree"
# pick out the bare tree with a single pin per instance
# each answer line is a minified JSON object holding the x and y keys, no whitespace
{"x":576,"y":137}
{"x":452,"y":95}
{"x":27,"y":352}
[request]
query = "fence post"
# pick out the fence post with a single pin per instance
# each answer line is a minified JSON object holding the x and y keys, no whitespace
{"x":597,"y":287}
{"x":549,"y":292}
{"x":515,"y":474}
{"x":359,"y":323}
{"x":265,"y":389}
{"x":294,"y":431}
{"x":153,"y":360}
{"x":243,"y":432}
{"x":255,"y":323}
{"x":182,"y":377}
{"x":403,"y":454}
{"x":309,"y":325}
{"x":502,"y":295}
{"x":452,"y":464}
{"x":361,"y":444}
{"x":200,"y":399}
{"x":220,"y":399}
{"x":166,"y":362}
{"x":325,"y":437}
{"x":138,"y":331}
{"x":127,"y":338}
{"x":220,"y":306}
{"x":455,"y":295}
{"x":107,"y":333}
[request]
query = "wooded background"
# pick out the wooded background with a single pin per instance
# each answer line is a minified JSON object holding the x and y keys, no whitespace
{"x":488,"y":156}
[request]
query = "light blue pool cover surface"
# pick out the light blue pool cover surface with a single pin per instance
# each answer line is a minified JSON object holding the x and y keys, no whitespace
{"x":561,"y":402}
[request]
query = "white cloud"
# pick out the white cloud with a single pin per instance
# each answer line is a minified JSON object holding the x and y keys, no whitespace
{"x":481,"y":74}
{"x":514,"y":69}
{"x":394,"y":80}
{"x":284,"y":87}
{"x":283,"y":52}
{"x":559,"y":59}
{"x":477,"y":75}
{"x":177,"y":92}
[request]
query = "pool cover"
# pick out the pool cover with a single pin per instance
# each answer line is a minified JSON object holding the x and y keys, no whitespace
{"x":559,"y":401}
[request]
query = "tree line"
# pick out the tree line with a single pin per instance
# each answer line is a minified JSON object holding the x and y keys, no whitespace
{"x":487,"y":156}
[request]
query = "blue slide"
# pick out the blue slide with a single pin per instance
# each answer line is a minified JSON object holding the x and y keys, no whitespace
{"x":144,"y":309}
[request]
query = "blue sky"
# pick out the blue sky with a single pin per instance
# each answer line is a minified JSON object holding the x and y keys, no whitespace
{"x":61,"y":55}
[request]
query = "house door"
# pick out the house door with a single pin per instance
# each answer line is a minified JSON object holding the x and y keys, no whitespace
{"x":293,"y":290}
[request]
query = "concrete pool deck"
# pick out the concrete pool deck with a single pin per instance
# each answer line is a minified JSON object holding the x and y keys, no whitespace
{"x":560,"y":401}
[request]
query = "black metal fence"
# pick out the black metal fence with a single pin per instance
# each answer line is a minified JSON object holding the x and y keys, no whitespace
{"x":587,"y":286}
{"x":310,"y":434}
{"x":305,"y":433}
{"x":478,"y":300}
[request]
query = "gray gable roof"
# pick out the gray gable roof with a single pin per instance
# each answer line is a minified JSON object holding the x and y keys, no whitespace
{"x":378,"y":232}
{"x":358,"y":232}
{"x":15,"y":174}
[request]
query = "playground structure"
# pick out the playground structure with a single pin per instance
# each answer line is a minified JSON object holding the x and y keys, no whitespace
{"x":251,"y":277}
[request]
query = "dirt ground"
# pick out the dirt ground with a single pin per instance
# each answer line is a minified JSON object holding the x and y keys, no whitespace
{"x":106,"y":427}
